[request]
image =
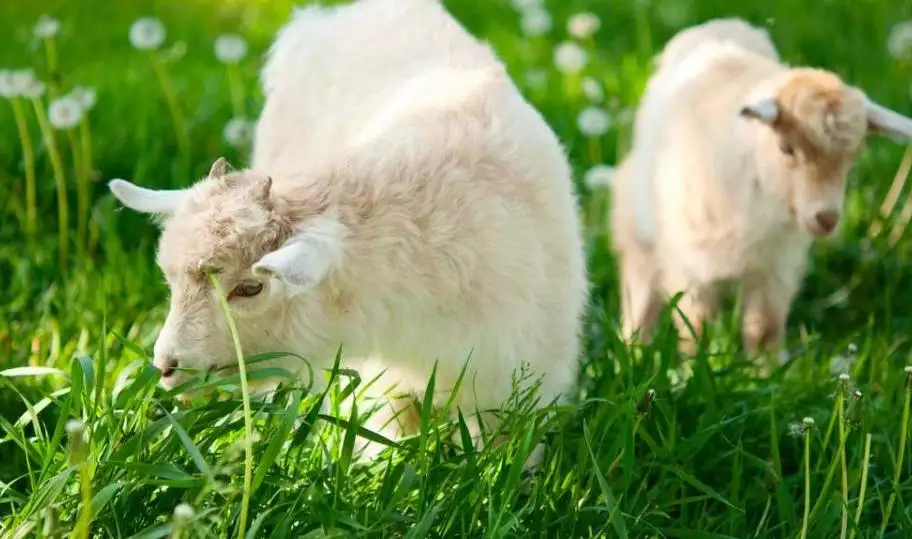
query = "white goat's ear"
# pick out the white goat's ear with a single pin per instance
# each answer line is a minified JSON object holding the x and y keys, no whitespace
{"x":763,"y":109}
{"x":141,"y":199}
{"x":219,"y":168}
{"x":306,"y":258}
{"x":887,"y":122}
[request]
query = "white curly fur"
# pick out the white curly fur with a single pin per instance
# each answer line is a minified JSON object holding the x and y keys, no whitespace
{"x":403,"y":201}
{"x":738,"y":162}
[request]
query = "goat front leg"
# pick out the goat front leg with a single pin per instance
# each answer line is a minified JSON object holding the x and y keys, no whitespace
{"x":640,"y":304}
{"x":695,"y":308}
{"x":767,"y":301}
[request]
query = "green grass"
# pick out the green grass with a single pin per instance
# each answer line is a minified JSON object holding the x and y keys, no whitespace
{"x":639,"y":454}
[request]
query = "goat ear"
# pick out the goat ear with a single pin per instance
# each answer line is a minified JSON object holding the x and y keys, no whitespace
{"x":887,"y":122}
{"x":764,"y":109}
{"x":306,"y":258}
{"x":144,"y":200}
{"x":219,"y":168}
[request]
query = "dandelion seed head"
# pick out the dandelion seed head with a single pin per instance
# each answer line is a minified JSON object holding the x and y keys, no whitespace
{"x":64,"y":112}
{"x":7,"y":84}
{"x":593,"y":122}
{"x":46,"y":27}
{"x":796,"y":430}
{"x":238,"y":131}
{"x":184,"y":512}
{"x":75,"y":428}
{"x":858,"y":394}
{"x":230,"y":48}
{"x":599,"y":177}
{"x":844,"y":377}
{"x":592,"y":90}
{"x":85,"y":96}
{"x":899,"y":43}
{"x":583,"y":25}
{"x":147,"y":33}
{"x":536,"y":21}
{"x":808,"y":422}
{"x":537,"y":78}
{"x":524,"y":5}
{"x":570,"y":58}
{"x":908,"y":369}
{"x":27,"y":85}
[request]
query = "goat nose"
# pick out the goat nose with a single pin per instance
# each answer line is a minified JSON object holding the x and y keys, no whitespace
{"x":827,"y":220}
{"x":167,"y":365}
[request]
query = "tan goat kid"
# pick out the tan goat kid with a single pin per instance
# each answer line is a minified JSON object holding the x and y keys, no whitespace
{"x":738,"y":163}
{"x":404,"y":201}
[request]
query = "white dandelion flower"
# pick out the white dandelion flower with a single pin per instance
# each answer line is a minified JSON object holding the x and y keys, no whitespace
{"x":796,"y":430}
{"x":230,"y":48}
{"x":900,"y":41}
{"x":27,"y":85}
{"x":238,"y":131}
{"x":583,"y":25}
{"x":85,"y":96}
{"x":21,"y":80}
{"x":808,"y":422}
{"x":184,"y":512}
{"x":599,"y":177}
{"x":536,"y":79}
{"x":673,"y":13}
{"x":7,"y":84}
{"x":46,"y":27}
{"x":569,"y":57}
{"x":147,"y":33}
{"x":592,"y":90}
{"x":536,"y":22}
{"x":844,"y":377}
{"x":75,"y":428}
{"x":593,"y":122}
{"x":524,"y":5}
{"x":908,"y":369}
{"x":64,"y":112}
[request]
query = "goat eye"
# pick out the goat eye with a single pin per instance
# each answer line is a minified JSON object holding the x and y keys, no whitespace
{"x":247,"y":290}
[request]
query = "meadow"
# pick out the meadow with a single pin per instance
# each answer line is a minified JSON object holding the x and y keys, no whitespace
{"x":91,"y":447}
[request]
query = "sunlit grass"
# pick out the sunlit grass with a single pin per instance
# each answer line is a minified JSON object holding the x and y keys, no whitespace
{"x":640,"y":453}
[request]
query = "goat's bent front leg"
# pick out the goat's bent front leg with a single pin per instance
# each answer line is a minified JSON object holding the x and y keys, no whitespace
{"x":695,"y":308}
{"x":640,"y":305}
{"x":767,"y":300}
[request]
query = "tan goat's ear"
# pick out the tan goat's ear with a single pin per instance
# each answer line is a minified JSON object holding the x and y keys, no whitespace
{"x":887,"y":122}
{"x":219,"y":168}
{"x":141,"y":199}
{"x":306,"y":258}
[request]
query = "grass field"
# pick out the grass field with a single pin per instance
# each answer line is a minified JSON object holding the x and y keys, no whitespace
{"x":798,"y":452}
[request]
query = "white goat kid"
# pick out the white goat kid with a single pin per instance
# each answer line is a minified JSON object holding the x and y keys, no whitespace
{"x":738,"y":162}
{"x":404,"y":201}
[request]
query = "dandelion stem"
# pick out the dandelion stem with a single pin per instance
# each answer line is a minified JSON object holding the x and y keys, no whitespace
{"x":176,"y":117}
{"x":245,"y":394}
{"x":28,"y":157}
{"x":85,"y":514}
{"x":807,"y":482}
{"x":840,"y":400}
{"x":236,"y":89}
{"x":595,"y":150}
{"x":50,"y":51}
{"x":903,"y":431}
{"x":85,"y":137}
{"x":63,"y":214}
{"x":81,"y":200}
{"x":864,"y":483}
